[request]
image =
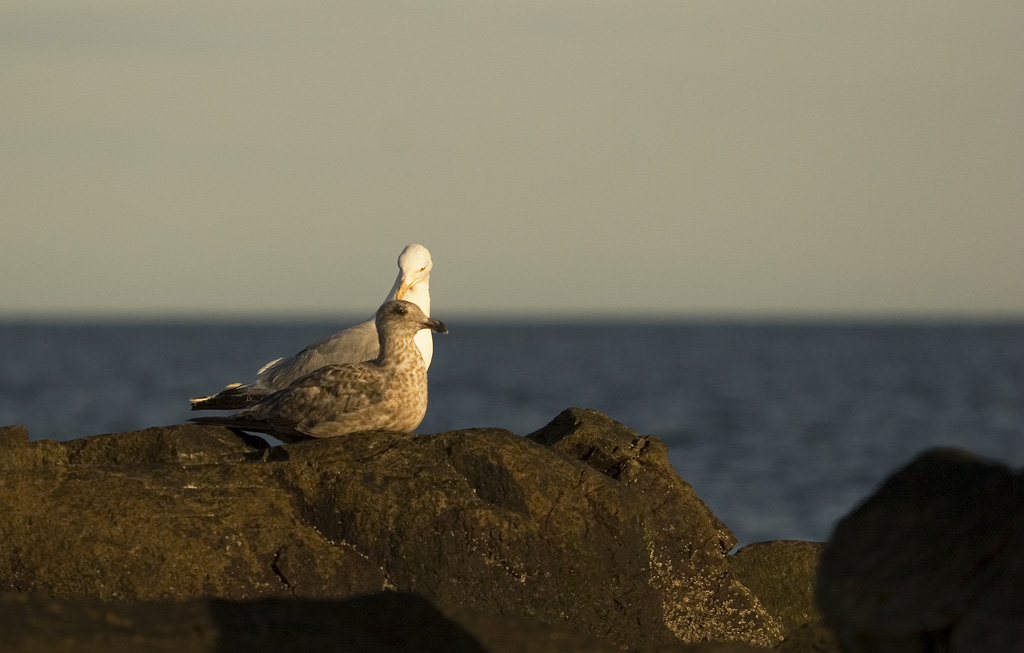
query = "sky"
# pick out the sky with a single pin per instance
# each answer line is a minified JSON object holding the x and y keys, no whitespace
{"x":207,"y":158}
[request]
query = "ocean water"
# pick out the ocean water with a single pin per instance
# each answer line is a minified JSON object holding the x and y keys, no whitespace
{"x":780,"y":428}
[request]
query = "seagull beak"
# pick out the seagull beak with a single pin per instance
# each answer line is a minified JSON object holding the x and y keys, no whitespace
{"x":435,"y":325}
{"x":404,"y":288}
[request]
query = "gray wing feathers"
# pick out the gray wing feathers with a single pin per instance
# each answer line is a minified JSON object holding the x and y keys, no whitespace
{"x":330,"y":400}
{"x":329,"y":395}
{"x":353,"y":345}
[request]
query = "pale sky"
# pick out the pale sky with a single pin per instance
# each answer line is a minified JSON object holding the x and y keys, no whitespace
{"x":209,"y":158}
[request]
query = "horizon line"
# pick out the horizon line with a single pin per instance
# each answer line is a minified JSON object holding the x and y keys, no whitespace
{"x":752,"y":316}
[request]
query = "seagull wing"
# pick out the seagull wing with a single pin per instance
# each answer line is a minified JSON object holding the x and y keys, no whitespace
{"x":353,"y":345}
{"x":322,"y":403}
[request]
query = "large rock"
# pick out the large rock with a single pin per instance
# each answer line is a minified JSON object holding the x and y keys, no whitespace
{"x":582,"y":525}
{"x":934,"y":560}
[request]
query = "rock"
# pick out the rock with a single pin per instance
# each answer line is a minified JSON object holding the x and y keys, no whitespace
{"x":162,"y":521}
{"x":782,"y":574}
{"x":379,"y":623}
{"x":700,"y":597}
{"x":931,"y":561}
{"x":811,"y":637}
{"x":16,"y":454}
{"x":582,"y":526}
{"x":186,"y":444}
{"x":383,"y":622}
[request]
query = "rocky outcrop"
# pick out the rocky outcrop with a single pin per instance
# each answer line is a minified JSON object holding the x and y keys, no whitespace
{"x":933,"y":561}
{"x":582,"y":526}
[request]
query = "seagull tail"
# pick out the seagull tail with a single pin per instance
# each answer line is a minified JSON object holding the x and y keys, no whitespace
{"x":243,"y":425}
{"x":234,"y":397}
{"x":219,"y":420}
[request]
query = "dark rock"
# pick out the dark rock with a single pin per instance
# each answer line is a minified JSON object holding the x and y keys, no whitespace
{"x":782,"y":574}
{"x":389,"y":621}
{"x":811,"y":637}
{"x":383,"y":622}
{"x":583,"y":526}
{"x":517,"y":635}
{"x":711,"y":647}
{"x":931,"y":561}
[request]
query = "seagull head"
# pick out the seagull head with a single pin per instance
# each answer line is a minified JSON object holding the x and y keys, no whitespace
{"x":401,"y":317}
{"x":414,"y":266}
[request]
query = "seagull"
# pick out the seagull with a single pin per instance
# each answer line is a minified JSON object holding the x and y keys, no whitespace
{"x":353,"y":345}
{"x":386,"y":393}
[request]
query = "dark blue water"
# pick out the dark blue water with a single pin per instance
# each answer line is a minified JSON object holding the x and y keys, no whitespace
{"x":780,"y":428}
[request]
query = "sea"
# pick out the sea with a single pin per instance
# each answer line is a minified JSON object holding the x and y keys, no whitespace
{"x":781,"y":428}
